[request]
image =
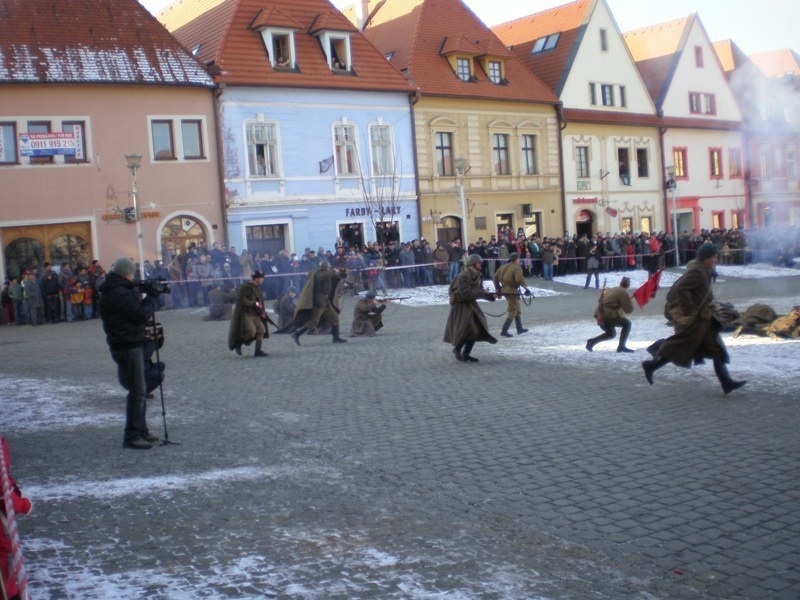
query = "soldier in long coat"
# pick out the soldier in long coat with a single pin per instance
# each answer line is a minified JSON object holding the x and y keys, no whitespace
{"x":367,"y":319}
{"x":508,"y":279}
{"x":697,"y":333}
{"x":466,"y":323}
{"x":319,"y":302}
{"x":248,"y":322}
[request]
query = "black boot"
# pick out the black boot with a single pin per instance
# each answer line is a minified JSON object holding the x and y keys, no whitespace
{"x":258,"y":351}
{"x":336,"y":338}
{"x":590,"y":344}
{"x":651,"y":366}
{"x":520,"y":328}
{"x":506,"y":325}
{"x":457,"y":351}
{"x":297,"y":333}
{"x":728,"y":384}
{"x":467,"y":349}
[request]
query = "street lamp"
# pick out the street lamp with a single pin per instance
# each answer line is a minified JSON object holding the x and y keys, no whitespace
{"x":461,"y":168}
{"x":134,"y":162}
{"x":672,"y":185}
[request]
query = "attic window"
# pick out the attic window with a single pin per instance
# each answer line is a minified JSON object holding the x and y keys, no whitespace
{"x":337,"y":50}
{"x":389,"y":56}
{"x":545,"y":43}
{"x":495,"y":71}
{"x":280,"y":47}
{"x":464,"y":69}
{"x":196,"y":50}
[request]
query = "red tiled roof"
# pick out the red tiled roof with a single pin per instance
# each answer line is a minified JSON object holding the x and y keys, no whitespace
{"x":553,"y":65}
{"x":777,"y":63}
{"x":725,"y":52}
{"x":655,"y":50}
{"x":91,"y":41}
{"x":418,"y":33}
{"x":224,"y":32}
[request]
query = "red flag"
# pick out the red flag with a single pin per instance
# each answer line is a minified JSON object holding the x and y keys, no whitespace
{"x":648,"y":290}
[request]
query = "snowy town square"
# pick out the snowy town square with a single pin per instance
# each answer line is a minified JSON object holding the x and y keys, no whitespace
{"x":384,"y":468}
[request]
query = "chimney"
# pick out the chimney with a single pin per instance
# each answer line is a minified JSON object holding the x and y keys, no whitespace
{"x":362,"y":13}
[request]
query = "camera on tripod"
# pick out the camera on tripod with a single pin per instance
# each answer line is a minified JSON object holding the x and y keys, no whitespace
{"x":155,"y":287}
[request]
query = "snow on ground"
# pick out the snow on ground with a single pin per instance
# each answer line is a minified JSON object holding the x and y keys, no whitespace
{"x":764,"y":363}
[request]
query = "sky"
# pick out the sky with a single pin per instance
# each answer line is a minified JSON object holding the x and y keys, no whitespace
{"x":753,"y":26}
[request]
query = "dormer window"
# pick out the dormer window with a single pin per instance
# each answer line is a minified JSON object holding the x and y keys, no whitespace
{"x":280,"y":47}
{"x":495,"y":71}
{"x":337,"y":50}
{"x":543,"y":44}
{"x":464,"y":69}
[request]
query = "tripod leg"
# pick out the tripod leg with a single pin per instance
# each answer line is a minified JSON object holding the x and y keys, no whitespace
{"x":165,"y":441}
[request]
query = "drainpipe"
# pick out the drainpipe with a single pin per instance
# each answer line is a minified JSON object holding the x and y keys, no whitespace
{"x":661,"y":131}
{"x":562,"y":125}
{"x":413,"y":99}
{"x":218,"y":90}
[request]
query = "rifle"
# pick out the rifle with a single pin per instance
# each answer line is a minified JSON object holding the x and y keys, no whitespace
{"x":262,"y":312}
{"x":525,"y":294}
{"x":392,"y":298}
{"x":598,"y":313}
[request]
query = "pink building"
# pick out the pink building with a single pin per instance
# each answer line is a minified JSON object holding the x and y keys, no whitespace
{"x":82,"y":87}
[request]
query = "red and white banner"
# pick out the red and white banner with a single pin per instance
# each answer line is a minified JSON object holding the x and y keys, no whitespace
{"x":11,"y":564}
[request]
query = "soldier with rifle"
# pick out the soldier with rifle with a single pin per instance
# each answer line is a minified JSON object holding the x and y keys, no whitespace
{"x":507,"y":280}
{"x":250,"y":318}
{"x":319,"y":302}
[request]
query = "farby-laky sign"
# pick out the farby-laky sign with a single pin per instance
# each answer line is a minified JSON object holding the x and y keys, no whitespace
{"x":67,"y":143}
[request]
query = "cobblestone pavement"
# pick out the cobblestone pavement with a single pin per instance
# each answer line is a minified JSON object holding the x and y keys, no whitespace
{"x":382,"y":468}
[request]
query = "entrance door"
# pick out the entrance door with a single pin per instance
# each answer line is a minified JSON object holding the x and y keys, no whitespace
{"x":178,"y":234}
{"x":263,"y":239}
{"x":449,"y":229}
{"x":351,"y":234}
{"x":584,"y":223}
{"x":31,"y":246}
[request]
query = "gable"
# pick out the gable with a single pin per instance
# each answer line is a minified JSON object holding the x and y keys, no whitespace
{"x":430,"y":40}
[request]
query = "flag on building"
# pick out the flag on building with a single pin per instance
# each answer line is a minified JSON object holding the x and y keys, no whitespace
{"x":648,"y":290}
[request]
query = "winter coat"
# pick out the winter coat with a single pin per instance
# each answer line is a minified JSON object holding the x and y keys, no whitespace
{"x":125,"y":315}
{"x":367,"y":318}
{"x":249,"y":305}
{"x":319,"y":292}
{"x":616,"y":303}
{"x":466,"y":321}
{"x":689,"y":307}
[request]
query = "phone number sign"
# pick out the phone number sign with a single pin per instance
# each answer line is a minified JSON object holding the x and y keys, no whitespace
{"x":68,"y":143}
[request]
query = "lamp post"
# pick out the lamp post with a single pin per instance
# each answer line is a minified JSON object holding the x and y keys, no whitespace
{"x":134,"y":162}
{"x":461,"y":168}
{"x":672,"y":185}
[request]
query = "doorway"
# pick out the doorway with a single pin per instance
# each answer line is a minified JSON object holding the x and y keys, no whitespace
{"x":178,"y":234}
{"x":584,"y":224}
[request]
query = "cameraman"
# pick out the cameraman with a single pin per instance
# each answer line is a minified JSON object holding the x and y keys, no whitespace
{"x":125,"y":316}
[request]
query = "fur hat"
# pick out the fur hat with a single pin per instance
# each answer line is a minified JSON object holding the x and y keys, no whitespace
{"x":513,"y":256}
{"x":625,"y":282}
{"x":257,"y":275}
{"x":324,"y":265}
{"x":370,"y":295}
{"x":124,"y":266}
{"x":705,"y":251}
{"x":473,"y":259}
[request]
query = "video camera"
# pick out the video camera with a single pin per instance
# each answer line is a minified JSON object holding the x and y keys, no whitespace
{"x":155,"y":287}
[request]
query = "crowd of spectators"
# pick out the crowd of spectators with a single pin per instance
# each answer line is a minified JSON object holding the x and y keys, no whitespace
{"x":63,"y":295}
